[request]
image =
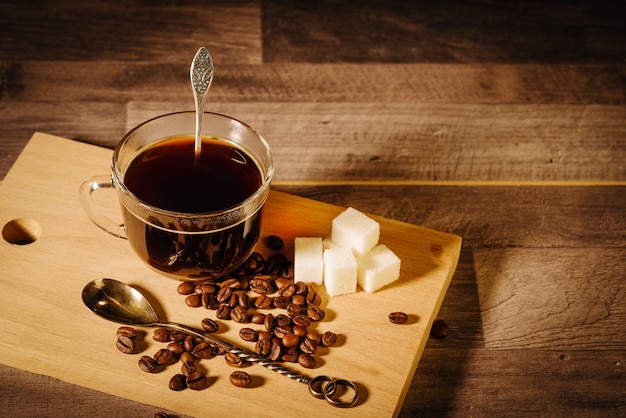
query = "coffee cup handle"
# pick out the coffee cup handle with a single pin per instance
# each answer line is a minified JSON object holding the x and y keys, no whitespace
{"x":86,"y":199}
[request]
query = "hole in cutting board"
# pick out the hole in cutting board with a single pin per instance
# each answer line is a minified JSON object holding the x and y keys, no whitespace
{"x":21,"y":231}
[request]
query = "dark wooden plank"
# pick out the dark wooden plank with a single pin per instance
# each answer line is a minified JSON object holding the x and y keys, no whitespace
{"x":130,"y":31}
{"x":153,"y":80}
{"x":445,"y":31}
{"x":547,"y":217}
{"x":478,"y":382}
{"x":404,"y":141}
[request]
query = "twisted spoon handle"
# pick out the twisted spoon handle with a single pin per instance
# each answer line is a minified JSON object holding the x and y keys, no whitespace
{"x":243,"y":353}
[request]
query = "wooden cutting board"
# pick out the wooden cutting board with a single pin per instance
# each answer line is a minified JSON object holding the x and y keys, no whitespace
{"x":47,"y":329}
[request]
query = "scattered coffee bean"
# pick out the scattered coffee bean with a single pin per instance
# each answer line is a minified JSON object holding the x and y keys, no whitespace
{"x":209,"y":325}
{"x":315,"y":313}
{"x":263,"y":347}
{"x":161,"y":335}
{"x":248,"y":334}
{"x":147,"y":363}
{"x":281,"y":302}
{"x":274,"y":242}
{"x":177,"y":336}
{"x":125,"y":344}
{"x":128,"y":332}
{"x":196,"y":380}
{"x":163,"y":356}
{"x":178,"y":382}
{"x":307,"y":361}
{"x":189,"y":343}
{"x":233,"y":360}
{"x":239,"y":314}
{"x":185,"y":288}
{"x":290,"y":340}
{"x":187,"y":358}
{"x":439,"y":329}
{"x":240,"y":379}
{"x":276,"y":352}
{"x":329,"y":339}
{"x":308,"y":346}
{"x":176,"y":348}
{"x":257,"y":318}
{"x":223,"y":312}
{"x":202,"y":350}
{"x":398,"y":317}
{"x":291,"y":355}
{"x":194,"y":301}
{"x":261,"y":285}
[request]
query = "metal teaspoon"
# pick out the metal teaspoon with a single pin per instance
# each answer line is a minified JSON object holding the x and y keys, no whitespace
{"x":121,"y":303}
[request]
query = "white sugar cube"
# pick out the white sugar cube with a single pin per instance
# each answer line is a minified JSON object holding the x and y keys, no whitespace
{"x":379,"y":267}
{"x":355,"y":230}
{"x":308,"y":261}
{"x":329,"y":243}
{"x":340,"y":270}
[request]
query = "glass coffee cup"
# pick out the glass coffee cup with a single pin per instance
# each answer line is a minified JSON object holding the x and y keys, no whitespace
{"x":191,"y":217}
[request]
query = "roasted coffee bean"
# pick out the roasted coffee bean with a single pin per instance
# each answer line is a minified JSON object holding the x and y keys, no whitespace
{"x":269,"y":322}
{"x":281,"y":302}
{"x":263,"y":302}
{"x":125,"y":344}
{"x":275,"y":265}
{"x":265,"y":335}
{"x":209,"y":325}
{"x":239,"y":314}
{"x":185,"y":288}
{"x":161,"y":335}
{"x":308,"y":346}
{"x":178,"y":382}
{"x":193,"y":301}
{"x":176,"y":348}
{"x":313,"y":298}
{"x":300,"y":331}
{"x":261,"y":285}
{"x":147,"y":363}
{"x":288,"y":291}
{"x":187,"y":358}
{"x":398,"y":317}
{"x":290,"y":354}
{"x":263,"y":347}
{"x":282,"y":319}
{"x":177,"y":336}
{"x":224,"y":294}
{"x":223,"y":311}
{"x":233,"y":360}
{"x":307,"y":361}
{"x":254,"y":264}
{"x":439,"y":329}
{"x":243,"y":300}
{"x":218,"y":351}
{"x":282,"y":282}
{"x":315,"y":336}
{"x":302,"y":320}
{"x":189,"y":343}
{"x":205,"y":289}
{"x":248,"y":334}
{"x":187,"y":369}
{"x":240,"y":379}
{"x":299,"y":300}
{"x":301,"y":288}
{"x":290,"y":340}
{"x":276,"y":341}
{"x":196,"y":380}
{"x":281,"y":330}
{"x":202,"y":350}
{"x":293,"y":309}
{"x":163,"y":356}
{"x":274,"y":242}
{"x":315,"y":313}
{"x":231,"y":283}
{"x":209,"y":301}
{"x":276,"y":352}
{"x":329,"y":339}
{"x":128,"y":332}
{"x":257,"y":318}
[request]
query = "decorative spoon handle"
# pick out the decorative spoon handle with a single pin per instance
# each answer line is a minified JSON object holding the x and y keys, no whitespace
{"x":201,"y":75}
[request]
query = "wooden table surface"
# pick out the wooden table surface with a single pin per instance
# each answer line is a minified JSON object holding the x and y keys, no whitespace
{"x":501,"y":122}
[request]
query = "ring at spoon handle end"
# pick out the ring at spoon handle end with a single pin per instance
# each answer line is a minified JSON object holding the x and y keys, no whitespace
{"x":242,"y":353}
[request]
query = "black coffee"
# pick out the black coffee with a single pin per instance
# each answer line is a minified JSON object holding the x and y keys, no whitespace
{"x":167,"y":176}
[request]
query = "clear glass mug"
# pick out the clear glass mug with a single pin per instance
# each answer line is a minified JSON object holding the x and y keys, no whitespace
{"x":185,"y":246}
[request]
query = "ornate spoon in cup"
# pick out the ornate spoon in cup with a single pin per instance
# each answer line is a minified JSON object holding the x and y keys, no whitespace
{"x":121,"y":303}
{"x":201,"y":75}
